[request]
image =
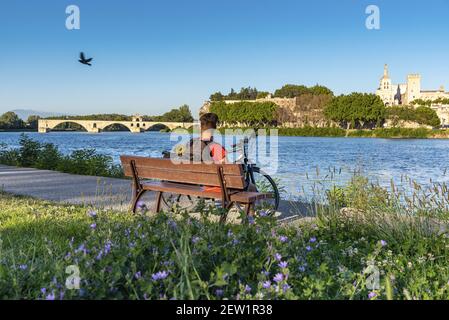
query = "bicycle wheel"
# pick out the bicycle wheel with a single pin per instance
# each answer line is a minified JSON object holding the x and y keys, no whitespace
{"x":265,"y":184}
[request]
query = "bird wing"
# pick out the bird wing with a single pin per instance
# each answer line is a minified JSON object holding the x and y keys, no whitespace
{"x":82,"y":57}
{"x":89,"y":60}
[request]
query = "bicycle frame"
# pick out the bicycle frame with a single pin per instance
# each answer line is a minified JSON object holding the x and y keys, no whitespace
{"x":247,"y":167}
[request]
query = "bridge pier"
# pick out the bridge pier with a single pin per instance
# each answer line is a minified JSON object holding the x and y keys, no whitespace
{"x":136,"y":130}
{"x":43,"y":130}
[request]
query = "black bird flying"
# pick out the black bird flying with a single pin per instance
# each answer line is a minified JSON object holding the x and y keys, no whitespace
{"x":85,"y":61}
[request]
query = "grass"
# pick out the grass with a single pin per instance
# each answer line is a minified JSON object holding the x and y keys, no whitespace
{"x":383,"y":247}
{"x":385,"y":133}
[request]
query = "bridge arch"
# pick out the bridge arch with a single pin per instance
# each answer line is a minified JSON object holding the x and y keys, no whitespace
{"x":52,"y":125}
{"x":121,"y":125}
{"x":157,"y":126}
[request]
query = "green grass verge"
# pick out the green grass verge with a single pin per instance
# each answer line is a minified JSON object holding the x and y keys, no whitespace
{"x":385,"y":133}
{"x":125,"y":256}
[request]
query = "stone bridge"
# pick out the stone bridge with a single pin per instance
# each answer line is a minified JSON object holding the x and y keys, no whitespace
{"x":93,"y":126}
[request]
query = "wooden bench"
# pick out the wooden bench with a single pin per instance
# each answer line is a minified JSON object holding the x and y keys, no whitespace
{"x":189,"y":180}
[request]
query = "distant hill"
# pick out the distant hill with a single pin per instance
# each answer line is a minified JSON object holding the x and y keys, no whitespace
{"x":25,"y":113}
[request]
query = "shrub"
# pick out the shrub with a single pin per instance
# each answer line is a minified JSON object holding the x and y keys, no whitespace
{"x":49,"y":157}
{"x":87,"y":162}
{"x":422,"y":115}
{"x":28,"y":152}
{"x":33,"y":154}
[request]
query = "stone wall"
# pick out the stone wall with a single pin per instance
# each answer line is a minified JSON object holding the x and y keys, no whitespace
{"x":295,"y":112}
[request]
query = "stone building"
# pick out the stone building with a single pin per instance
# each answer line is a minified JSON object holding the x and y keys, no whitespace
{"x":403,"y":94}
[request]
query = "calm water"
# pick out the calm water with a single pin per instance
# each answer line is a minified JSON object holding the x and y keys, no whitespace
{"x":380,"y":159}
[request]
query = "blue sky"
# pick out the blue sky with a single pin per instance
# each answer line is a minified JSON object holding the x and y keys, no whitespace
{"x":151,"y":56}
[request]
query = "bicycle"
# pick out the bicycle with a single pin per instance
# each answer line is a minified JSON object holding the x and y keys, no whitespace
{"x":256,"y":180}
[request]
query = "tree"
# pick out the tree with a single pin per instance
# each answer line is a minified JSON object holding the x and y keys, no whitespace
{"x":356,"y":110}
{"x":320,"y":90}
{"x":32,"y":121}
{"x":246,"y":113}
{"x":10,"y":120}
{"x":291,"y":91}
{"x":427,"y":116}
{"x":182,"y":114}
{"x":217,"y":96}
{"x":262,"y":94}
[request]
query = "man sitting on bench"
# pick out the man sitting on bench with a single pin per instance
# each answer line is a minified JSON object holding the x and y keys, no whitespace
{"x":205,"y":149}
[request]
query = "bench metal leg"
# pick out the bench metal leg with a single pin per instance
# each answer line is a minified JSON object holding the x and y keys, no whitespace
{"x":158,"y":201}
{"x":136,"y":199}
{"x":248,"y":209}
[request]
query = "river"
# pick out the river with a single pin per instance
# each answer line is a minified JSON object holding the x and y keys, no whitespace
{"x":303,"y":162}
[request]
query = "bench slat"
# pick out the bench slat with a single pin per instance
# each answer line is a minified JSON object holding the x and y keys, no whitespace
{"x":202,"y":174}
{"x":197,"y":191}
{"x":233,"y":169}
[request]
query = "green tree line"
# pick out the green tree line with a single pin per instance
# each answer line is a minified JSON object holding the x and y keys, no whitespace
{"x":421,"y":102}
{"x":422,"y":115}
{"x":287,"y":91}
{"x":246,"y":113}
{"x":356,"y":110}
{"x":11,"y":121}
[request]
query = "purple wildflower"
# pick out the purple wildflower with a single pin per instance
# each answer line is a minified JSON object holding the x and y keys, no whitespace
{"x":266,"y":285}
{"x":312,"y":240}
{"x":283,"y":239}
{"x":251,"y":220}
{"x":247,"y":289}
{"x":219,"y":292}
{"x":81,"y":248}
{"x":278,"y":257}
{"x":92,"y":213}
{"x":195,"y":239}
{"x":51,"y":296}
{"x":23,"y":267}
{"x":43,"y":290}
{"x":141,"y":205}
{"x":107,"y":247}
{"x":172,"y":224}
{"x":279,"y":277}
{"x":138,"y":275}
{"x":383,"y":243}
{"x":100,"y":255}
{"x":283,"y":264}
{"x":309,"y":248}
{"x":161,"y":275}
{"x":93,"y":226}
{"x":372,"y":295}
{"x":263,"y":213}
{"x":285,"y":287}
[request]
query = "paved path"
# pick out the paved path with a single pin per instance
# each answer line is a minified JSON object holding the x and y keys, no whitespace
{"x":86,"y":190}
{"x":66,"y":188}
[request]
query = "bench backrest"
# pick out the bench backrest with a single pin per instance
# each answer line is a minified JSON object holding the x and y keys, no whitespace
{"x":201,"y":174}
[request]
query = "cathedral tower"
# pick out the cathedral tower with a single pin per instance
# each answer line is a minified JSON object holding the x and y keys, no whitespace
{"x":413,"y":87}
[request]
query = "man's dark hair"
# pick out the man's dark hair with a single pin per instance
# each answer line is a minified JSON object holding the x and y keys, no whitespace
{"x":209,"y":121}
